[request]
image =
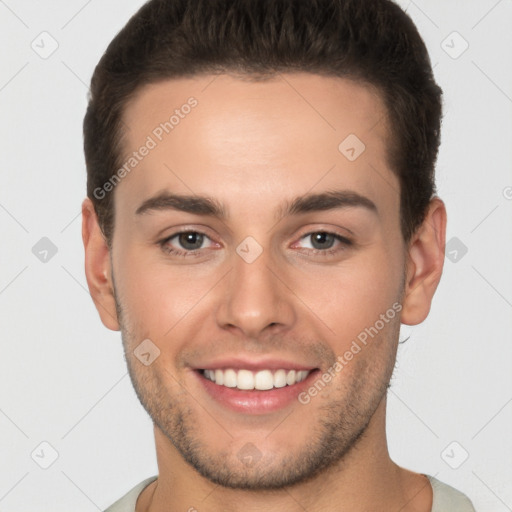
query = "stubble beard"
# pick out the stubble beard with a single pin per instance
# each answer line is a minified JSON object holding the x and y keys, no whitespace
{"x":340,"y":426}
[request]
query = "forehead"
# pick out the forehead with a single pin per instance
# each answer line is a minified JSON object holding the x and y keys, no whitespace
{"x":286,"y":133}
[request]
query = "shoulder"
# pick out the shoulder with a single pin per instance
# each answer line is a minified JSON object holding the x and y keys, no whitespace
{"x":448,"y":499}
{"x":128,"y":501}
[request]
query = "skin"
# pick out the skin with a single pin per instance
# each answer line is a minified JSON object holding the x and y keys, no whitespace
{"x":251,"y":146}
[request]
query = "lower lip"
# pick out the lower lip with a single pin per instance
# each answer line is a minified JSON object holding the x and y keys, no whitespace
{"x":255,"y":401}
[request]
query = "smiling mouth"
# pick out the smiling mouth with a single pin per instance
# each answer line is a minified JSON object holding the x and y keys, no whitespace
{"x":262,"y":380}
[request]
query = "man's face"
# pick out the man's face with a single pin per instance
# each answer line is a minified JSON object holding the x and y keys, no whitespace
{"x":262,"y":289}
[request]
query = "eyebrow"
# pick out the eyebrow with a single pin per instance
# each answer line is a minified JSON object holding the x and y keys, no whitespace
{"x":204,"y":205}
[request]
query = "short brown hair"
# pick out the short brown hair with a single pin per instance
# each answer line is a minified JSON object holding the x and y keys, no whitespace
{"x":371,"y":41}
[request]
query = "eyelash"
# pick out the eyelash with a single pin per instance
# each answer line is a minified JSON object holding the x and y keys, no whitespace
{"x":345,"y":242}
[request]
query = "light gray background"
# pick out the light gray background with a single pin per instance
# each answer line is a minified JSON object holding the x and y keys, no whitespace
{"x":63,"y":378}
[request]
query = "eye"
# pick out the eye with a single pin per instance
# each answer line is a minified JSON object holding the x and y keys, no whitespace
{"x":324,"y":242}
{"x":191,"y":241}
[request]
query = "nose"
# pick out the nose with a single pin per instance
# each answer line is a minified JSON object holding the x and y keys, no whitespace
{"x":255,"y":298}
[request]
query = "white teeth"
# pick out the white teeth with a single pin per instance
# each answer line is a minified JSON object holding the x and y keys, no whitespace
{"x":290,"y":377}
{"x":244,"y":380}
{"x":229,"y":378}
{"x":280,"y":379}
{"x":302,"y":375}
{"x":219,"y":376}
{"x":262,"y":380}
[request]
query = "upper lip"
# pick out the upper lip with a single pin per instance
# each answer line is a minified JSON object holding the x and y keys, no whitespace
{"x":239,"y":363}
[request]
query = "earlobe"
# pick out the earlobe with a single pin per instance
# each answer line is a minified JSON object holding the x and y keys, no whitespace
{"x":425,"y":264}
{"x":98,"y":267}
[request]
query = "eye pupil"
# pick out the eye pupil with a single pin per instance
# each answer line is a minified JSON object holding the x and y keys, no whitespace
{"x":321,"y":238}
{"x":191,"y":238}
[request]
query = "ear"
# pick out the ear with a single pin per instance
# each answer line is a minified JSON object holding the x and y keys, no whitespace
{"x":425,"y":262}
{"x":98,"y":269}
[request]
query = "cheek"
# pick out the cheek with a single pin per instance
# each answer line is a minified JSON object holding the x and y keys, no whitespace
{"x":159,"y":296}
{"x":351,"y":296}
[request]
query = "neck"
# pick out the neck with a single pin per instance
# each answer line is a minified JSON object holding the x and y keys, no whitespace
{"x":365,"y":479}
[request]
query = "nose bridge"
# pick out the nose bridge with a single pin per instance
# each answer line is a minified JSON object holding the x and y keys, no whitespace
{"x":254,"y":297}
